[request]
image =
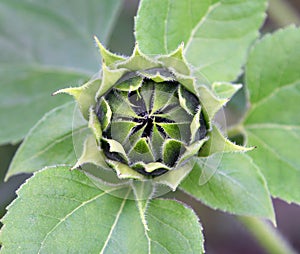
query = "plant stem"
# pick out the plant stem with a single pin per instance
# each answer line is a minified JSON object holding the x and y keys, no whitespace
{"x":269,"y":238}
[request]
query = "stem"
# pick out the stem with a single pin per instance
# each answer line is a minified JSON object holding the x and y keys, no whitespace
{"x":269,"y":238}
{"x":282,"y":13}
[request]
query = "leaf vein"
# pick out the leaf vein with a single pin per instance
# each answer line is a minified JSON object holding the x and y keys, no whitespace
{"x":211,"y":8}
{"x":166,"y":27}
{"x":175,"y":229}
{"x":161,"y":245}
{"x":69,"y":214}
{"x":277,"y":155}
{"x":242,"y":188}
{"x":272,"y":94}
{"x":115,"y":223}
{"x":55,"y":142}
{"x":272,"y":126}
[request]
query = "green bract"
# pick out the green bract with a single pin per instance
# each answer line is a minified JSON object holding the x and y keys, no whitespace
{"x":150,"y":117}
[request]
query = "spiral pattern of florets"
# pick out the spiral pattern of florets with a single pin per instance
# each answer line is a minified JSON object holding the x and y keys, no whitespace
{"x":155,"y":123}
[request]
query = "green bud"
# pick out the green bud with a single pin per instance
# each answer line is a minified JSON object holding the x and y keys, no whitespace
{"x":153,"y":120}
{"x":150,"y":117}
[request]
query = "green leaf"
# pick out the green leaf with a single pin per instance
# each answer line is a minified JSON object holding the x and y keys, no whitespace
{"x":49,"y":142}
{"x":273,"y":123}
{"x":163,"y":25}
{"x":173,"y":228}
{"x":46,"y":46}
{"x":55,"y":33}
{"x":218,"y":45}
{"x":235,"y":186}
{"x":56,"y":205}
{"x":25,"y":96}
{"x":217,"y":34}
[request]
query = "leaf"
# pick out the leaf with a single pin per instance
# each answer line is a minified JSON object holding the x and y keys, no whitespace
{"x":236,"y":186}
{"x":56,"y":206}
{"x":49,"y":142}
{"x":217,"y":34}
{"x":173,"y":228}
{"x":273,"y":123}
{"x":46,"y":46}
{"x":25,"y":95}
{"x":162,"y":25}
{"x":219,"y":44}
{"x":55,"y":33}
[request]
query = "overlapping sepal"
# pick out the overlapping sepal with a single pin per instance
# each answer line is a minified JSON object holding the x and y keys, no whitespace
{"x":130,"y":112}
{"x":84,"y":95}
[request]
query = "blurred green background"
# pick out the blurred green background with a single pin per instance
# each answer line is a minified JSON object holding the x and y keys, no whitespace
{"x":224,"y":234}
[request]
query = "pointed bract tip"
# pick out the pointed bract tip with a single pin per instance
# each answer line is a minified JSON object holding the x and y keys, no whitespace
{"x":108,"y":57}
{"x":60,"y":91}
{"x":74,"y":91}
{"x":136,"y":50}
{"x":181,"y":47}
{"x":96,"y":38}
{"x":178,"y":52}
{"x":238,"y":86}
{"x":248,"y":149}
{"x":99,"y":44}
{"x":76,"y":166}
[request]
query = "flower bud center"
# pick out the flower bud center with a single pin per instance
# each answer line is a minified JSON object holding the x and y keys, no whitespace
{"x":152,"y":122}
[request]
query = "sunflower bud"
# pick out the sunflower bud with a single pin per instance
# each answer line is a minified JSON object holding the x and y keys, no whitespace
{"x":155,"y":123}
{"x":150,"y":117}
